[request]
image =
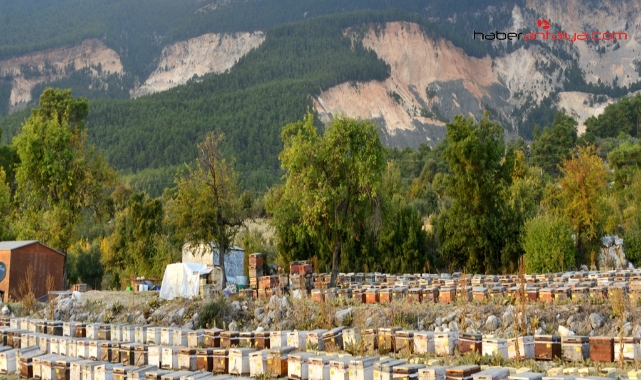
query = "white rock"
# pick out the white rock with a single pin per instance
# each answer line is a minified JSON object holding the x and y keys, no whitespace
{"x":565,"y":332}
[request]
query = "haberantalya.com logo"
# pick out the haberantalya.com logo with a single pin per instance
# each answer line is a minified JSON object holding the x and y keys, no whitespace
{"x":546,"y":35}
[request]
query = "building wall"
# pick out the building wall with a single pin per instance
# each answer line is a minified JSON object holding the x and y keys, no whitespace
{"x":5,"y":257}
{"x":203,"y":254}
{"x":45,"y":262}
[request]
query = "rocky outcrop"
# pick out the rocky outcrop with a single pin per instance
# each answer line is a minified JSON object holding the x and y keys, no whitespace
{"x":209,"y":53}
{"x":45,"y":66}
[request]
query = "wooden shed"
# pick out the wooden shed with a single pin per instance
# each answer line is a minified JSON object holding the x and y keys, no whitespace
{"x":15,"y":259}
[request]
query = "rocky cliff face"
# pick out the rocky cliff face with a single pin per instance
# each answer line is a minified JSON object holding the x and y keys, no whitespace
{"x":432,"y":80}
{"x":27,"y":71}
{"x":210,"y":53}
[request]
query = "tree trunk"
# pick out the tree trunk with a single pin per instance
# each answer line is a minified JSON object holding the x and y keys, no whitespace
{"x":221,"y":262}
{"x":335,"y":260}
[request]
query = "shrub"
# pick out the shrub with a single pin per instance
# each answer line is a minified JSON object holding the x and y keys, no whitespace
{"x":213,"y":314}
{"x":548,"y":245}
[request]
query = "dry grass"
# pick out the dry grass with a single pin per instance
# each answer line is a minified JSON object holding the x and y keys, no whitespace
{"x":25,"y":291}
{"x":51,"y":286}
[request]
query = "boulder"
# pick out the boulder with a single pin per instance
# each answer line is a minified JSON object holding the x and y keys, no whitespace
{"x":596,"y":321}
{"x":492,"y":323}
{"x":341,"y":315}
{"x":258,"y":312}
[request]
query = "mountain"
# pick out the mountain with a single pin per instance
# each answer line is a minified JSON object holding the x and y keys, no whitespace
{"x":160,"y":74}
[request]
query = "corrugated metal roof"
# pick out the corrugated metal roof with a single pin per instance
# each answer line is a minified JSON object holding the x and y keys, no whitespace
{"x":10,"y":245}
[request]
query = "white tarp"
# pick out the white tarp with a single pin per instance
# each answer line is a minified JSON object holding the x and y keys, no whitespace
{"x":182,"y":280}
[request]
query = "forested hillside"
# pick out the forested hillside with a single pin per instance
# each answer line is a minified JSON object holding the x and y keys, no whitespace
{"x":305,"y":52}
{"x":266,"y":89}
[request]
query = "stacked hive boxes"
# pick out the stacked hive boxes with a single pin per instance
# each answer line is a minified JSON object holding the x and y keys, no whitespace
{"x":300,"y":276}
{"x":255,"y":269}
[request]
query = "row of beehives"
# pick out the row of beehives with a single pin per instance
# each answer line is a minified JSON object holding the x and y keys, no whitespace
{"x":51,"y":357}
{"x":164,"y":347}
{"x":377,"y":288}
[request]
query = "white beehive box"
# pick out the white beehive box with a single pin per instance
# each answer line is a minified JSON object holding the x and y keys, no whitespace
{"x":48,"y":367}
{"x":407,"y":371}
{"x":444,"y":343}
{"x":43,"y":342}
{"x":116,"y":332}
{"x":89,"y":370}
{"x":75,"y":369}
{"x":104,"y":371}
{"x":362,"y":368}
{"x":180,"y":337}
{"x":187,"y":359}
{"x":526,"y":347}
{"x":128,"y":333}
{"x":351,"y":336}
{"x":8,"y":362}
{"x":169,"y":357}
{"x":432,"y":373}
{"x":63,"y":346}
{"x":140,"y":334}
{"x":69,"y":329}
{"x":54,"y":345}
{"x":278,"y":339}
{"x":318,"y":368}
{"x":166,"y":336}
{"x":95,"y":349}
{"x":315,"y":338}
{"x":195,"y":338}
{"x":424,"y":342}
{"x":257,"y":363}
{"x":495,"y":346}
{"x":339,"y":369}
{"x":296,"y":339}
{"x":492,"y":374}
{"x":154,"y":356}
{"x":91,"y":330}
{"x":239,"y":361}
{"x":139,"y":373}
{"x":153,"y":335}
{"x":72,"y":347}
{"x":200,"y":376}
{"x":82,"y":348}
{"x":298,"y":365}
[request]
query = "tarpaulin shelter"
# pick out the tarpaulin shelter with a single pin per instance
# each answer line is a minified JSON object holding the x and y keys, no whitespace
{"x":182,"y":280}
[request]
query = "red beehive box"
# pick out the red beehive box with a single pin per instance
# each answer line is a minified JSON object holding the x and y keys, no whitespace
{"x":601,"y":349}
{"x":532,"y":295}
{"x":268,"y":282}
{"x":546,"y":294}
{"x":414,"y":295}
{"x":447,"y":295}
{"x":371,"y":296}
{"x":469,"y":342}
{"x":429,"y":295}
{"x":256,"y":260}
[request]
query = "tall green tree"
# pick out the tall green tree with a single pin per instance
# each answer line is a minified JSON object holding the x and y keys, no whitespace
{"x":473,"y":228}
{"x":207,"y":207}
{"x":139,"y":244}
{"x":554,"y":143}
{"x":59,"y":175}
{"x":334,"y":180}
{"x":581,"y":195}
